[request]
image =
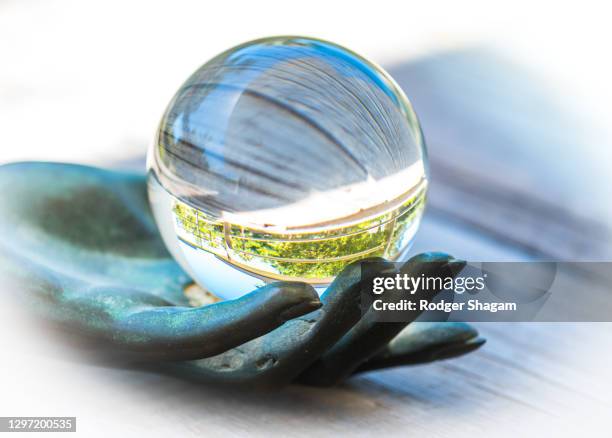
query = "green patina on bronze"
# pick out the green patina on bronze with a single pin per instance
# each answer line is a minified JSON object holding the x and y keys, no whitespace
{"x":80,"y":249}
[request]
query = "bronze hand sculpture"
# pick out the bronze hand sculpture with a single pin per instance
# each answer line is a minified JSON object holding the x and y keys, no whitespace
{"x":82,"y":251}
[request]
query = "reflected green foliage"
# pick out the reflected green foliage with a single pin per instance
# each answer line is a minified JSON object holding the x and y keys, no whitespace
{"x":316,"y":255}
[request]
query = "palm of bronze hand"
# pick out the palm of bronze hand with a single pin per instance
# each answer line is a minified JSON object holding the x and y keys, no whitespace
{"x":86,"y":255}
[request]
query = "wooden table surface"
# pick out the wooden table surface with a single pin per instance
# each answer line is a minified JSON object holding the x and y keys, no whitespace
{"x":509,"y":174}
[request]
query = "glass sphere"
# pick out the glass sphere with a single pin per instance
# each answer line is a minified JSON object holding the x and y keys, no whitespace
{"x":286,"y":158}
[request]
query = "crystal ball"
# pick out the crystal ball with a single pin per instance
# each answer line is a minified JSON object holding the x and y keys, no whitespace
{"x":286,"y":158}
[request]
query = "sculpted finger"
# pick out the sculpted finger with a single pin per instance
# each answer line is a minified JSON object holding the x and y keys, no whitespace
{"x":193,"y":333}
{"x":125,"y":324}
{"x":370,"y":335}
{"x":423,"y":342}
{"x":278,"y":358}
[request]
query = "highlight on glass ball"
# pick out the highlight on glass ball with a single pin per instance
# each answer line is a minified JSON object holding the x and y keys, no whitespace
{"x":286,"y":158}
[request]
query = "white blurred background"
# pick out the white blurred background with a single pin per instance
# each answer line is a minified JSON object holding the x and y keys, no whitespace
{"x":87,"y":81}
